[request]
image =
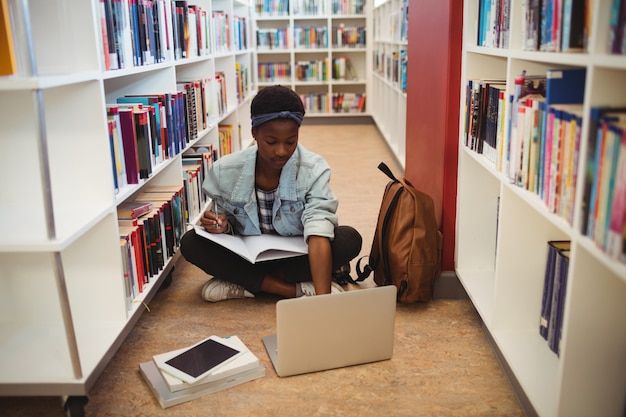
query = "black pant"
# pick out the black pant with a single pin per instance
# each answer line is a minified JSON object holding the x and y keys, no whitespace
{"x":221,"y":263}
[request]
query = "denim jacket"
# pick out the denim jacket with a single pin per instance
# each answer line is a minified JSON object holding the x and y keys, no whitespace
{"x":304,"y":204}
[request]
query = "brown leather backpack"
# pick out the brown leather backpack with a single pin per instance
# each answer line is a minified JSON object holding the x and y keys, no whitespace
{"x":407,"y":245}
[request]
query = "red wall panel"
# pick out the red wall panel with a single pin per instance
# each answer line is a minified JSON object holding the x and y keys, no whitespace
{"x":433,"y":94}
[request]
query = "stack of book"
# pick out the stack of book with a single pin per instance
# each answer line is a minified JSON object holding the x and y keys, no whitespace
{"x":228,"y":363}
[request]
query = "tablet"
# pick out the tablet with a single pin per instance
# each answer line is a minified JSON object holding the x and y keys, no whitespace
{"x":199,"y":360}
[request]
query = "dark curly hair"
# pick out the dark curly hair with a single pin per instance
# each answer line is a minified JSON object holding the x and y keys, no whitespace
{"x":274,"y":99}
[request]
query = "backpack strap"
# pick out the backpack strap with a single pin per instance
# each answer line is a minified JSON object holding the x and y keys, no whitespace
{"x":384,"y":168}
{"x":363,"y":272}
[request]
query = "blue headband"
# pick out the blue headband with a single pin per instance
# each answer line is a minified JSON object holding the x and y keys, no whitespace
{"x":259,"y":119}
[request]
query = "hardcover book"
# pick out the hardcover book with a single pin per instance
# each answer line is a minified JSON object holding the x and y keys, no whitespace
{"x":170,"y":391}
{"x":552,"y":285}
{"x":247,"y":361}
{"x":167,"y":398}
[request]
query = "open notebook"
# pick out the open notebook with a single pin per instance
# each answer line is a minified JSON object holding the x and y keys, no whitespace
{"x":332,"y":331}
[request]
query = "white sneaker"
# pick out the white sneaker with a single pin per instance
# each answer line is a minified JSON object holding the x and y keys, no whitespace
{"x":308,"y":290}
{"x":219,"y":290}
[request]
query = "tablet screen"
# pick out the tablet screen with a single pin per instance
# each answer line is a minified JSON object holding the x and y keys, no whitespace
{"x":202,"y":357}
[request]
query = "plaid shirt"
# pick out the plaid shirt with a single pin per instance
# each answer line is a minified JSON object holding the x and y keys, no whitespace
{"x":265,"y":202}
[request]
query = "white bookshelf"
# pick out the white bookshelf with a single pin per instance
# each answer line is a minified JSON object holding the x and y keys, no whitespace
{"x":502,"y":235}
{"x":63,"y":312}
{"x":321,"y":17}
{"x":389,"y":46}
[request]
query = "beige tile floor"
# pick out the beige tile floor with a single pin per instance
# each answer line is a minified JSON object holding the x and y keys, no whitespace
{"x":442,"y":365}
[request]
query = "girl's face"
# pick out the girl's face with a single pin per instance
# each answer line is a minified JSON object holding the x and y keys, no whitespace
{"x":277,"y":141}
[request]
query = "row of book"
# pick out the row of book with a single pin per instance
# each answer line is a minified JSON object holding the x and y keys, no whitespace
{"x":198,"y":160}
{"x":556,"y":26}
{"x":533,"y":137}
{"x":310,"y":37}
{"x":145,"y":130}
{"x":221,"y":30}
{"x":196,"y":163}
{"x":493,"y":23}
{"x":278,"y":8}
{"x":170,"y":389}
{"x":151,"y":225}
{"x":553,"y":296}
{"x":333,"y":103}
{"x":348,"y":37}
{"x":603,"y":206}
{"x":399,"y":24}
{"x":242,"y":83}
{"x":274,"y":71}
{"x":311,"y":70}
{"x":347,"y":6}
{"x":150,"y":228}
{"x":144,"y":32}
{"x":271,"y":7}
{"x":392,"y":66}
{"x":547,"y":25}
{"x":240,"y":33}
{"x":270,"y":39}
{"x":340,"y":68}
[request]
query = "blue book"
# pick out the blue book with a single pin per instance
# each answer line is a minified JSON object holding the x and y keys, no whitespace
{"x":565,"y":86}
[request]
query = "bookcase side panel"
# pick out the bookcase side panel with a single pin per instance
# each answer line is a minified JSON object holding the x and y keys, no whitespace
{"x":594,"y":340}
{"x":21,"y":204}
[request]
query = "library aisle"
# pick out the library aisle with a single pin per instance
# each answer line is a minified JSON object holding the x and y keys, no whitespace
{"x":442,"y":364}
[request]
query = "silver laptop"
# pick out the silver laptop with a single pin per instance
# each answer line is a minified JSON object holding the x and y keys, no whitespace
{"x":332,"y":331}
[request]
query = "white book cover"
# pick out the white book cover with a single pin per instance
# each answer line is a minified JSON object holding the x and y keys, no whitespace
{"x":243,"y":363}
{"x":166,"y":398}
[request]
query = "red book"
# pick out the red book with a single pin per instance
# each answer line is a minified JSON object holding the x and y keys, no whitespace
{"x":129,"y":139}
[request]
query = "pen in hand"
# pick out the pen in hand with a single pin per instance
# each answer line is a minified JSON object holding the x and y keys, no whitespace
{"x":211,"y":221}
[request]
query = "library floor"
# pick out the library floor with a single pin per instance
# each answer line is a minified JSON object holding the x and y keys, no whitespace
{"x":442,"y":364}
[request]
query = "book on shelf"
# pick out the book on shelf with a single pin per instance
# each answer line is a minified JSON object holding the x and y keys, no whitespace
{"x":133,"y":209}
{"x":600,"y":134}
{"x":617,"y":34}
{"x":133,"y":258}
{"x":565,"y":86}
{"x":117,"y":147}
{"x":526,"y":90}
{"x":616,"y":233}
{"x":170,"y":201}
{"x":573,"y":35}
{"x":493,"y":23}
{"x":158,"y":130}
{"x":601,"y":205}
{"x":481,"y":114}
{"x":128,"y":273}
{"x":8,"y":61}
{"x":153,"y":224}
{"x":554,"y":288}
{"x":170,"y":391}
{"x":258,"y":248}
{"x":563,"y":132}
{"x":562,"y":25}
